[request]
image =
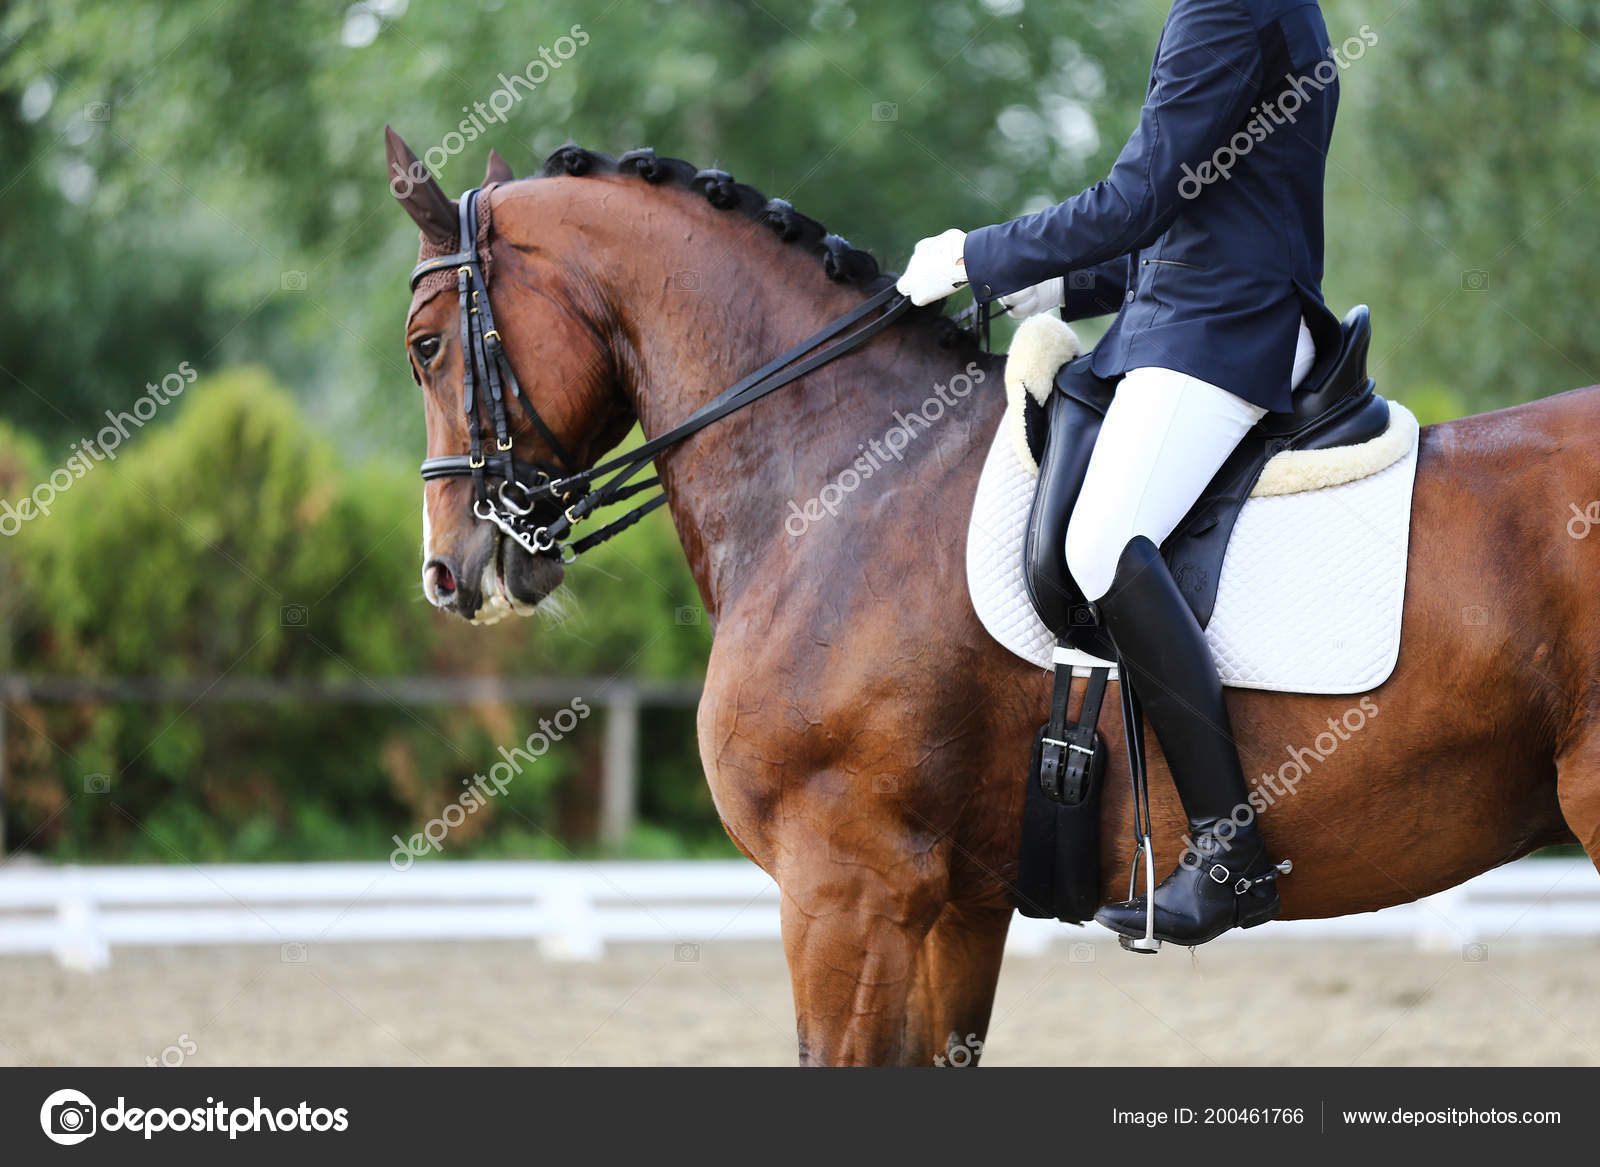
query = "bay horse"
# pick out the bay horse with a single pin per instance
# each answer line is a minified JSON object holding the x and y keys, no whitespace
{"x":865,"y":741}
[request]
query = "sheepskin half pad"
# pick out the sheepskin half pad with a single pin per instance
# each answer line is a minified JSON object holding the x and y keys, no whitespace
{"x":1312,"y":584}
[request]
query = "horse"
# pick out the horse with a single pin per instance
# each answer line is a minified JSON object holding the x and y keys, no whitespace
{"x":865,"y":741}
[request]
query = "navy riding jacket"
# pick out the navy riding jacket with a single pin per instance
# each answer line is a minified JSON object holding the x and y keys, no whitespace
{"x":1206,"y":238}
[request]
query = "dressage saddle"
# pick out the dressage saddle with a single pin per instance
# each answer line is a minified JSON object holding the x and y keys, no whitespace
{"x":1058,"y":871}
{"x":1336,"y":405}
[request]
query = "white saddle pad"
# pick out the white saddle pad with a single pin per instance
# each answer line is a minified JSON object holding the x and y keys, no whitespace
{"x":1312,"y":583}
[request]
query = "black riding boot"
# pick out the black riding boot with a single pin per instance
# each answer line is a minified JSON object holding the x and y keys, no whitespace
{"x":1226,"y":877}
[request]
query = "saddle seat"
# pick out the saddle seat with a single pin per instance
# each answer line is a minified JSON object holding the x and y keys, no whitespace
{"x":1337,"y":405}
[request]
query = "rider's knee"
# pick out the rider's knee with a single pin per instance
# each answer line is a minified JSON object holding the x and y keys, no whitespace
{"x":1093,"y":548}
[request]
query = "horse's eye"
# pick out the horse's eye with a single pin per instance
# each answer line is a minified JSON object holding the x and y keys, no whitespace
{"x":426,"y":348}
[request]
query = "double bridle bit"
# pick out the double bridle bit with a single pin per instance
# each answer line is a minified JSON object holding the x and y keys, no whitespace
{"x":537,"y":504}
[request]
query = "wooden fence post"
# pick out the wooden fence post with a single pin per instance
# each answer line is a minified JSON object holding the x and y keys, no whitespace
{"x":619,"y":776}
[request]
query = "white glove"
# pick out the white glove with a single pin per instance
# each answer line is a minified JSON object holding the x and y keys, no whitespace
{"x":1040,"y":298}
{"x":936,"y":269}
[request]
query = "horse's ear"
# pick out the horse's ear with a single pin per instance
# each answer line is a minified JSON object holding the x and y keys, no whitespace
{"x":429,"y":207}
{"x":499,"y":170}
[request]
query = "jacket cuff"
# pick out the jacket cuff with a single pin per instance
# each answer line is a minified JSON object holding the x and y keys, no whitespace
{"x":979,"y":261}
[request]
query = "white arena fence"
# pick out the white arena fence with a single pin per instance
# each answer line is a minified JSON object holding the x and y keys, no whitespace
{"x":573,"y":910}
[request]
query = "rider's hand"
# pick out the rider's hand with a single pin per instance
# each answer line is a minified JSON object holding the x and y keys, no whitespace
{"x":936,"y":268}
{"x":1045,"y":297}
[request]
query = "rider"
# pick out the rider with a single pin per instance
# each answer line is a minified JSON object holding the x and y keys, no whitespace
{"x":1206,"y":239}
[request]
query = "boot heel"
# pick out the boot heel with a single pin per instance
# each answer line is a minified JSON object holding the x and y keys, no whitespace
{"x":1251,"y":916}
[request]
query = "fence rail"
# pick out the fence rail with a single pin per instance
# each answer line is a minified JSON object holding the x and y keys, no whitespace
{"x":573,"y":910}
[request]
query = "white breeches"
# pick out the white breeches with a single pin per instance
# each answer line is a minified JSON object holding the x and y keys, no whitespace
{"x":1165,"y":436}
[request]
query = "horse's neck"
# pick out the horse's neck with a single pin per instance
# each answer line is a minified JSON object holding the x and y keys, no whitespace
{"x":864,"y":439}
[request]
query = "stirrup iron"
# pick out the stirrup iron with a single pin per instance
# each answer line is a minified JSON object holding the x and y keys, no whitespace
{"x":1148,"y":942}
{"x":1133,"y":735}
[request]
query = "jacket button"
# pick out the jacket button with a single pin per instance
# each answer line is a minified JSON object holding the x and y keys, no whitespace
{"x":1130,"y":295}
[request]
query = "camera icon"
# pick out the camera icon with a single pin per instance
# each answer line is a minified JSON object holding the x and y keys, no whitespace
{"x":1080,"y":281}
{"x":686,"y":953}
{"x":68,"y":1117}
{"x":886,"y":784}
{"x":293,"y":281}
{"x":1474,"y":281}
{"x":293,"y":615}
{"x":1475,"y":615}
{"x":686,"y":616}
{"x":97,"y":111}
{"x":72,"y":1118}
{"x":293,"y":952}
{"x":1081,"y":953}
{"x":886,"y":111}
{"x":1474,"y":953}
{"x":686,"y":280}
{"x":97,"y":783}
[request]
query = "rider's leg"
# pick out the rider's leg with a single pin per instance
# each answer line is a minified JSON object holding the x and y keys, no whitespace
{"x":1164,"y":437}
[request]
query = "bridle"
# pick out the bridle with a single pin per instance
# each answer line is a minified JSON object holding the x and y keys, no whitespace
{"x":538,"y":503}
{"x":484,"y":365}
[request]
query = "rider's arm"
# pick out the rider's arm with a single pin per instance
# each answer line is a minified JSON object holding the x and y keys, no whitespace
{"x":1207,"y":74}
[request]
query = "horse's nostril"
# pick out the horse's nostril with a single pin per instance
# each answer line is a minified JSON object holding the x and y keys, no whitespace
{"x":440,"y":579}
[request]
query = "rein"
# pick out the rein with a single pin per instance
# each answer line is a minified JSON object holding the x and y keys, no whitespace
{"x":549,"y":505}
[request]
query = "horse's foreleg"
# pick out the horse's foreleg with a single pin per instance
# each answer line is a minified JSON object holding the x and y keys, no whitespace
{"x":1578,"y":789}
{"x":852,"y":946}
{"x":956,"y":976}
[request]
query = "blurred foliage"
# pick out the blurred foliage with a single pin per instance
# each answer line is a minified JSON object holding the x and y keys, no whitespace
{"x":203,"y":183}
{"x":231,"y":542}
{"x":1461,"y":196}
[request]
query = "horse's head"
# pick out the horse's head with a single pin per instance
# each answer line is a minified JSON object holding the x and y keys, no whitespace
{"x":486,"y":447}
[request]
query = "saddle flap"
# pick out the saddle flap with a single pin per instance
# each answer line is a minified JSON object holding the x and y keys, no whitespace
{"x":1073,"y":423}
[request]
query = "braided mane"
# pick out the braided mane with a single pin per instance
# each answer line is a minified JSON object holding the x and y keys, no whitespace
{"x":842,"y":263}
